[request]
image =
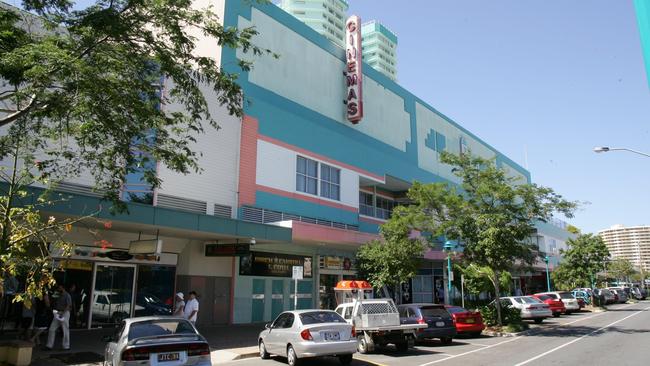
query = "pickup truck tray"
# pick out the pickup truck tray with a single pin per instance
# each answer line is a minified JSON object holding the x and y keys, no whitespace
{"x":403,"y":327}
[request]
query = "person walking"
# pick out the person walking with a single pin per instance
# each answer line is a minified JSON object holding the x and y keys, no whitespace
{"x":62,"y":306}
{"x":179,"y":310}
{"x":191,"y":310}
{"x":42,"y":318}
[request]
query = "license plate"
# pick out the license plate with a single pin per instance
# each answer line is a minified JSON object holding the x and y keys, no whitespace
{"x":165,"y":357}
{"x":440,"y":324}
{"x":331,"y":336}
{"x":470,"y":320}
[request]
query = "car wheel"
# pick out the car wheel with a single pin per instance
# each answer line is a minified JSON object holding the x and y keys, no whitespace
{"x":475,"y":334}
{"x":446,"y":341}
{"x":263,"y":353}
{"x":362,"y":345}
{"x":556,"y":315}
{"x":402,"y":346}
{"x":292,"y":358}
{"x":345,"y":359}
{"x":539,"y":320}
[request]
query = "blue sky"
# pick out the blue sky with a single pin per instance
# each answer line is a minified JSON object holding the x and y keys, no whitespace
{"x":550,"y":78}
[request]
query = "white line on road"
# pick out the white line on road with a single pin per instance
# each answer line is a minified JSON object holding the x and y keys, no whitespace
{"x":468,"y":352}
{"x":577,"y":339}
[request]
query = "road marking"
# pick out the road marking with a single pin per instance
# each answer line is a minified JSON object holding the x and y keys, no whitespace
{"x":469,"y":352}
{"x":369,"y":361}
{"x":577,"y":339}
{"x":478,"y":344}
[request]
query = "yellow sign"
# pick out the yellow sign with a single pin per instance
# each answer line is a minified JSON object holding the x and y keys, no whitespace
{"x":80,"y":265}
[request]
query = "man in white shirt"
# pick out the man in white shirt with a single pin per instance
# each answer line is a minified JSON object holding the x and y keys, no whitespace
{"x":191,"y":307}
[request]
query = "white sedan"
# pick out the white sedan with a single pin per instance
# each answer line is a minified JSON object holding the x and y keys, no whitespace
{"x":530,"y":307}
{"x":302,"y":334}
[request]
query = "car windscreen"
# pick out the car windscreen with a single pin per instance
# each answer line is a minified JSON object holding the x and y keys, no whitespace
{"x":566,"y":295}
{"x":456,"y":309}
{"x":530,"y":300}
{"x":544,"y":297}
{"x":159,"y":328}
{"x":428,"y":311}
{"x":315,"y":317}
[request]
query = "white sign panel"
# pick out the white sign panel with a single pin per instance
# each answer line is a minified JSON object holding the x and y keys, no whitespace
{"x":153,"y":246}
{"x":353,"y":72}
{"x":297,"y":272}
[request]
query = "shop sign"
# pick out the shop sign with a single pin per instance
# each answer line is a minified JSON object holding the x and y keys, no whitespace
{"x":335,"y":262}
{"x":153,"y":246}
{"x":226,"y":250}
{"x":273,"y":265}
{"x":78,"y":265}
{"x":353,"y":72}
{"x":88,"y":253}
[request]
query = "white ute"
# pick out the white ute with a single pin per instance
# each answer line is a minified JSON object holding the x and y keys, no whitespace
{"x":376,"y":321}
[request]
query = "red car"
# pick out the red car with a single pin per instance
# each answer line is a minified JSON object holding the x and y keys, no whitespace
{"x":556,"y":305}
{"x":467,"y":322}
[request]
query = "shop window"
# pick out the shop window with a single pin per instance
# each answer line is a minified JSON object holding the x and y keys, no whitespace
{"x":330,"y":182}
{"x":155,"y":290}
{"x":307,"y":176}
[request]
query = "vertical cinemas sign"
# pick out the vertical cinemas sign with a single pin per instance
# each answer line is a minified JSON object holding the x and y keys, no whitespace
{"x":353,"y":73}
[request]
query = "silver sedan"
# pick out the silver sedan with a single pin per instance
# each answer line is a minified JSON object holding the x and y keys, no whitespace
{"x":302,"y":334}
{"x":156,"y":340}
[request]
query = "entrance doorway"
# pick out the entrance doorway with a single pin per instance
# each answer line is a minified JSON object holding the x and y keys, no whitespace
{"x":112,"y":296}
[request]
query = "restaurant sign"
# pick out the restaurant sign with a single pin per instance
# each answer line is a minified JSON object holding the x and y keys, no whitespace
{"x":353,"y":72}
{"x":273,"y":265}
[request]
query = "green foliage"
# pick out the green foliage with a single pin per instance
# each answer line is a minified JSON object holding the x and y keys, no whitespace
{"x":87,"y":85}
{"x":585,"y":257}
{"x":393,"y":259}
{"x":573,"y":230}
{"x":620,"y":269}
{"x":492,"y":214}
{"x":481,"y":279}
{"x":509,"y":315}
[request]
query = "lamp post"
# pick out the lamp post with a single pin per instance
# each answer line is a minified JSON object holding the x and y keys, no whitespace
{"x":548,"y":278}
{"x":448,"y":248}
{"x":601,"y":149}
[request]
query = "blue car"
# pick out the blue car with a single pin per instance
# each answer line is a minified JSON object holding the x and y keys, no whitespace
{"x":582,"y":295}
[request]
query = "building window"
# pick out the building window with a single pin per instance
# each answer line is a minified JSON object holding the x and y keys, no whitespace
{"x":330,"y":182}
{"x":365,"y":204}
{"x":136,"y":188}
{"x":307,"y":176}
{"x":384,"y":208}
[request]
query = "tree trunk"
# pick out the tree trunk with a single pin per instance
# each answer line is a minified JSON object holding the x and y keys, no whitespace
{"x":497,"y":296}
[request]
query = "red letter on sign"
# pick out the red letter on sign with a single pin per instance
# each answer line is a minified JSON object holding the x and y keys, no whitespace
{"x":352,"y":109}
{"x":352,"y":80}
{"x":352,"y":94}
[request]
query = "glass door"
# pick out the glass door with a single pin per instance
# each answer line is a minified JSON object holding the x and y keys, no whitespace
{"x":112,"y":297}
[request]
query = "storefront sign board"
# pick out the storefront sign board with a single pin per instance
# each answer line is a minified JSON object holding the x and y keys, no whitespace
{"x":273,"y":265}
{"x":353,"y":70}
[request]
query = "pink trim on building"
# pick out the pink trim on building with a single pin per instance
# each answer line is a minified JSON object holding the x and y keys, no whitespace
{"x":321,"y":158}
{"x":303,"y":197}
{"x":371,"y":220}
{"x":435,"y":254}
{"x":248,"y":160}
{"x":303,"y":231}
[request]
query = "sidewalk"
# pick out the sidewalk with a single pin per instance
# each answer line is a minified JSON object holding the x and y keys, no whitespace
{"x":227,"y":342}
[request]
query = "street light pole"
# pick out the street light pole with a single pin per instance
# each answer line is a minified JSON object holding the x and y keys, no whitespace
{"x":448,"y":247}
{"x":601,"y":149}
{"x":548,"y":278}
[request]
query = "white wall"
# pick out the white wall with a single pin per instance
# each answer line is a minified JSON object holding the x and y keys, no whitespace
{"x":217,"y":182}
{"x":193,"y":262}
{"x":276,"y":168}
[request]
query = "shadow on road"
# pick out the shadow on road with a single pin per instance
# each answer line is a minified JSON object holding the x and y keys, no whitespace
{"x":578,"y":331}
{"x":320,"y":361}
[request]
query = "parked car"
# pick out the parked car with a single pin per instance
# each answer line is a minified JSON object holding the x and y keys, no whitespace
{"x":440,"y":322}
{"x":156,"y":340}
{"x":530,"y":307}
{"x":556,"y":305}
{"x":583,"y":296}
{"x":638,"y":293}
{"x":620,"y":293}
{"x":570,"y":302}
{"x":605,"y":296}
{"x":302,"y":334}
{"x":148,"y":304}
{"x":467,"y":322}
{"x":112,"y":306}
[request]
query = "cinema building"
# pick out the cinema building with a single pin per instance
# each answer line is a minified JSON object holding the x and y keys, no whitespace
{"x":303,"y":179}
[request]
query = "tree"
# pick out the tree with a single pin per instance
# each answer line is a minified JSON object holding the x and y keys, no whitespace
{"x":585,"y":256}
{"x":482,"y":279}
{"x":81,"y":91}
{"x":620,"y":269}
{"x":492,"y":214}
{"x":573,"y":230}
{"x":392,"y":260}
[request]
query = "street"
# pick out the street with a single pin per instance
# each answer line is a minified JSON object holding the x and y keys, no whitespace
{"x":617,"y":337}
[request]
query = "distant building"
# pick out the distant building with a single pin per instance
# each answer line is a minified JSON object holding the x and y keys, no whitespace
{"x":379,"y":47}
{"x":327,"y":17}
{"x":631,"y":243}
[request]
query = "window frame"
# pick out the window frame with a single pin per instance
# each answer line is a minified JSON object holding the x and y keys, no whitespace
{"x":329,"y":182}
{"x":306,"y":176}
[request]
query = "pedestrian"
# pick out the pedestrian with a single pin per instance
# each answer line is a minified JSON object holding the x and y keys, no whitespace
{"x":191,"y":308}
{"x":62,"y":306}
{"x":179,"y":310}
{"x":75,"y":312}
{"x":27,"y":322}
{"x":42,"y":318}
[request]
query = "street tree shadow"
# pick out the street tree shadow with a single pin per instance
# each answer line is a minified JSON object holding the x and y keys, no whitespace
{"x":579,"y":331}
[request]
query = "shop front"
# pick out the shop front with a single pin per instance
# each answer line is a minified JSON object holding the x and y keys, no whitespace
{"x":332,"y":269}
{"x":108,"y":285}
{"x":264,"y":286}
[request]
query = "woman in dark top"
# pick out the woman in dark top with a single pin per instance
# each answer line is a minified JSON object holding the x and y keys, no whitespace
{"x":42,"y":318}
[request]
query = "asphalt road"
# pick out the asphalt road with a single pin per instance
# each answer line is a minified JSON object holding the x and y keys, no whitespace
{"x":620,"y":336}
